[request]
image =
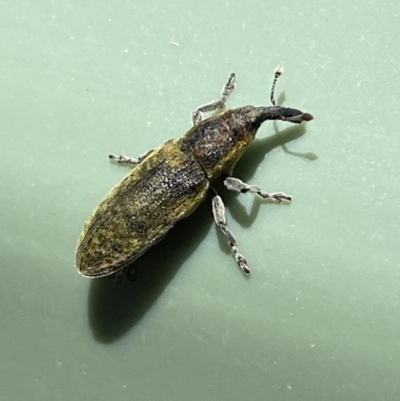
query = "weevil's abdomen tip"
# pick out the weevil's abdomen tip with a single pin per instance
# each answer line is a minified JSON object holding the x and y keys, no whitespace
{"x":84,"y":268}
{"x":87,"y":267}
{"x":81,"y":272}
{"x":81,"y":269}
{"x":88,"y":272}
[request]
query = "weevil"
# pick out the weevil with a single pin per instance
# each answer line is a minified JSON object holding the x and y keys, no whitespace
{"x":169,"y":183}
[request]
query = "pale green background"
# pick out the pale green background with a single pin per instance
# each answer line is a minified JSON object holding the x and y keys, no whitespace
{"x":319,"y":319}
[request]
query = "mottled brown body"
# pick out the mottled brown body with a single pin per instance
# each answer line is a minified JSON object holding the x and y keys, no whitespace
{"x":218,"y":142}
{"x":167,"y":186}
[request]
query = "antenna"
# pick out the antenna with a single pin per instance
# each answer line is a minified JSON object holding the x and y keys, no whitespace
{"x":278,"y":73}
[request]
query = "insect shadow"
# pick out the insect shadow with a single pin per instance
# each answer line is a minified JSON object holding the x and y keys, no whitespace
{"x":114,"y":308}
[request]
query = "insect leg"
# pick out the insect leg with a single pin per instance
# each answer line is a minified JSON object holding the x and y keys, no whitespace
{"x":122,"y":159}
{"x":197,"y":115}
{"x":218,"y":209}
{"x":236,"y":185}
{"x":128,"y":273}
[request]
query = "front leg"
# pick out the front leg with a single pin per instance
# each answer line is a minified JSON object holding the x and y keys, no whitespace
{"x":197,"y":115}
{"x":236,"y":185}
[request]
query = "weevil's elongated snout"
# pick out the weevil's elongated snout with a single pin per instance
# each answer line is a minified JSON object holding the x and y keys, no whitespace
{"x":281,"y":113}
{"x":295,"y":116}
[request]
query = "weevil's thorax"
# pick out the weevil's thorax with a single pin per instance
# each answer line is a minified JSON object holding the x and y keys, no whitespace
{"x":218,"y":142}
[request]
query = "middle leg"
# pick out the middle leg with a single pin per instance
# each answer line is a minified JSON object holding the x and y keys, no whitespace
{"x":218,"y":209}
{"x":122,"y":159}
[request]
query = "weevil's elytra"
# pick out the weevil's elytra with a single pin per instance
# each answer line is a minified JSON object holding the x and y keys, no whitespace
{"x":164,"y":188}
{"x":170,"y":182}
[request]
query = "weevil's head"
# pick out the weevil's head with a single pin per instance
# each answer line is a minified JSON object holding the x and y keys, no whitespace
{"x":247,"y":120}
